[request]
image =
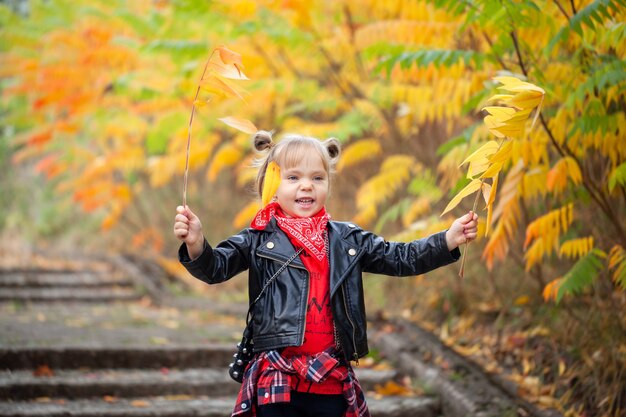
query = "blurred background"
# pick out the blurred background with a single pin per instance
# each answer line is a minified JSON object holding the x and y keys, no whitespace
{"x":96,"y":100}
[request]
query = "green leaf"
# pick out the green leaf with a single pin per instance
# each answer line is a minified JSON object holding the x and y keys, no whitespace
{"x":582,"y":274}
{"x":618,"y":176}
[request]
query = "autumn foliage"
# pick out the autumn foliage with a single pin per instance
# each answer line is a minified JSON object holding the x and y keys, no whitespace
{"x":518,"y":106}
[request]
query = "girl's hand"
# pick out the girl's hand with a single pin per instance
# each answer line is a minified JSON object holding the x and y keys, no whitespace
{"x":187,"y":227}
{"x":463,"y":230}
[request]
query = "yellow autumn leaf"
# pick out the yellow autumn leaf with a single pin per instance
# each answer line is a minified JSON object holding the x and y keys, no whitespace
{"x":500,"y":114}
{"x":217,"y":85}
{"x":493,"y":170}
{"x":359,"y":151}
{"x":243,"y":125}
{"x":551,"y":290}
{"x":486,"y":191}
{"x":525,"y":100}
{"x":270,"y":183}
{"x":229,"y":57}
{"x":226,"y":156}
{"x":576,"y":248}
{"x":487,"y":149}
{"x":503,"y":154}
{"x":245,"y":215}
{"x":226,"y":71}
{"x":470,"y":188}
{"x":493,"y":124}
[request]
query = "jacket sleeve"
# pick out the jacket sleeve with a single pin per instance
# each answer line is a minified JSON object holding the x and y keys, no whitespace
{"x":215,"y":265}
{"x":405,"y":259}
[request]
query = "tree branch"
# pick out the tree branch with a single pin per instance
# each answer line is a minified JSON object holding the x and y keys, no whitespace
{"x":562,"y":9}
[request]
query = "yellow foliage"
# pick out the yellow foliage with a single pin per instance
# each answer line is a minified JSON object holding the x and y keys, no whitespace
{"x":418,"y":207}
{"x":245,"y":215}
{"x":366,"y":215}
{"x":270,"y":183}
{"x":576,"y":248}
{"x":534,"y":182}
{"x":545,"y":231}
{"x":507,"y":213}
{"x":359,"y":151}
{"x":551,"y":290}
{"x":557,"y":176}
{"x":394,"y":173}
{"x":227,"y":155}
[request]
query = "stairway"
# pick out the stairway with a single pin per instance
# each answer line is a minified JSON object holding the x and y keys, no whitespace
{"x":51,"y":367}
{"x":190,"y":381}
{"x":65,"y":285}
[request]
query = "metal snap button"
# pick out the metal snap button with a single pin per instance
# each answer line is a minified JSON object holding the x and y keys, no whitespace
{"x":350,"y":225}
{"x":244,"y":406}
{"x":267,"y":395}
{"x":352,"y":252}
{"x":270,"y":245}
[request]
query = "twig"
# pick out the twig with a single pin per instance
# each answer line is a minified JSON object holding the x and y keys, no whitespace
{"x":193,"y":110}
{"x":478,"y":193}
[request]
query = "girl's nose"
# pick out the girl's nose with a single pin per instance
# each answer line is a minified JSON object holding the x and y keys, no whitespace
{"x":305,"y":184}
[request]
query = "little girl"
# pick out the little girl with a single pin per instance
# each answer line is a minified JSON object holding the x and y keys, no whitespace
{"x":310,"y":323}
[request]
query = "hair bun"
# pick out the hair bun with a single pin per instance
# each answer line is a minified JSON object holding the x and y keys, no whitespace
{"x":262,"y":140}
{"x":333,"y":146}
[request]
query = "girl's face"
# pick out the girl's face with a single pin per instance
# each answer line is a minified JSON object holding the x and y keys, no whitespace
{"x":303,"y":188}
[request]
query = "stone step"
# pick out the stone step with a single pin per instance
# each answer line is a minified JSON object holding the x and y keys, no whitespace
{"x":61,"y":279}
{"x":87,"y":383}
{"x":55,"y":294}
{"x":182,"y":406}
{"x":210,"y":355}
{"x":74,"y":384}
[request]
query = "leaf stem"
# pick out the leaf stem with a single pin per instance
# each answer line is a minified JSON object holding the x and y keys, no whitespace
{"x":193,"y":110}
{"x":462,"y":270}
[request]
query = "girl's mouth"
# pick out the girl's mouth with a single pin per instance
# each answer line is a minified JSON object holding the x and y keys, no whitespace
{"x":305,"y":201}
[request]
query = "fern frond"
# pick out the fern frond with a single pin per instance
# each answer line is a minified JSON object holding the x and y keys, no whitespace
{"x":418,"y":208}
{"x":359,"y":151}
{"x":591,"y":16}
{"x":608,"y":73}
{"x":551,"y":290}
{"x":226,"y":156}
{"x":582,"y":274}
{"x":425,"y":57}
{"x":594,"y":14}
{"x":618,"y":177}
{"x":245,"y":215}
{"x":617,"y":263}
{"x":394,"y":173}
{"x":550,"y":226}
{"x":576,"y":248}
{"x":535,"y":253}
{"x":563,"y":169}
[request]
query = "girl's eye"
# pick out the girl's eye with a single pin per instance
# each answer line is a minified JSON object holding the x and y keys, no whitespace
{"x":319,"y":178}
{"x":292,"y":177}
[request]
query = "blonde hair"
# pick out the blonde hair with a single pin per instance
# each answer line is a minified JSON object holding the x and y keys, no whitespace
{"x":288,"y":152}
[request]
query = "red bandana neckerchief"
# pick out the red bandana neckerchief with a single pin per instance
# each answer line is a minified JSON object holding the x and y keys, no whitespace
{"x":309,"y":231}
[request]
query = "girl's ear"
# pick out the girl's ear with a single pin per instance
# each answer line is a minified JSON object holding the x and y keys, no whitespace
{"x":334,"y":148}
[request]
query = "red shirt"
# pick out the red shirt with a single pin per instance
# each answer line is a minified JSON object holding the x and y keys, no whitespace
{"x":319,"y":331}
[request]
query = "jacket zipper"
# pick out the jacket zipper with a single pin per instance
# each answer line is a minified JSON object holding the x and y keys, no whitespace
{"x":307,"y":292}
{"x":355,"y":355}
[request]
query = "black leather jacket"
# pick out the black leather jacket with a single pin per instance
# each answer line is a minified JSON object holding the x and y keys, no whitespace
{"x":279,"y":316}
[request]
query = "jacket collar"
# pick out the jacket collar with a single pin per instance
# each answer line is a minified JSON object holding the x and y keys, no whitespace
{"x":343,"y":253}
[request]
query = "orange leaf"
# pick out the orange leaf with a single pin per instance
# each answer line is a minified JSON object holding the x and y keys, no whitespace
{"x":43,"y":370}
{"x":229,"y":56}
{"x":246,"y":126}
{"x":216,"y":85}
{"x":227,"y":71}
